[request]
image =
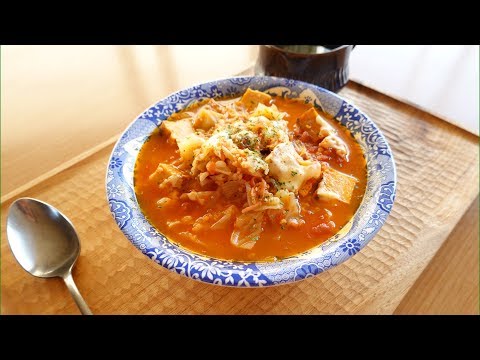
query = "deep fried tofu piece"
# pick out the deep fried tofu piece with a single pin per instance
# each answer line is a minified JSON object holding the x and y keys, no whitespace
{"x":315,"y":125}
{"x":336,"y":185}
{"x":252,"y":98}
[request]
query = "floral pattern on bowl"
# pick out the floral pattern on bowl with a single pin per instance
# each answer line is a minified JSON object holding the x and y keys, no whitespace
{"x":367,"y":221}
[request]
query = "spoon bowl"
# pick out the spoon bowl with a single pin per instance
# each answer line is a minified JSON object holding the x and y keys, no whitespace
{"x":44,"y":242}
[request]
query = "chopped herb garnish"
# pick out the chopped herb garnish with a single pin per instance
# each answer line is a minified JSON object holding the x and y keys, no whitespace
{"x":294,"y":173}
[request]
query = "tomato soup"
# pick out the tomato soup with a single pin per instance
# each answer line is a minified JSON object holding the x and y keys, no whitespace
{"x":257,"y":178}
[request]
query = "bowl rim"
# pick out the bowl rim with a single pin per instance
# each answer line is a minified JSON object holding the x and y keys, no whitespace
{"x":248,"y":274}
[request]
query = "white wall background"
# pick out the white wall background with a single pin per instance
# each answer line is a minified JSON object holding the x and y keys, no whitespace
{"x":442,"y":79}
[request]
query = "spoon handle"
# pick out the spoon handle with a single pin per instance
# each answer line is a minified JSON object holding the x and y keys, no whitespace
{"x":82,"y":305}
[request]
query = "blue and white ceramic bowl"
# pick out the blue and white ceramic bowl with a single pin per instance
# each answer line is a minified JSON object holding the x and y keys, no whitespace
{"x":369,"y":218}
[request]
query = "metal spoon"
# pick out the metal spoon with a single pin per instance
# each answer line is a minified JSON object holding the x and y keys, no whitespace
{"x":44,"y":242}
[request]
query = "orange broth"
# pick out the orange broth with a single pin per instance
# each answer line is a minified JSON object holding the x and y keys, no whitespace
{"x":274,"y":242}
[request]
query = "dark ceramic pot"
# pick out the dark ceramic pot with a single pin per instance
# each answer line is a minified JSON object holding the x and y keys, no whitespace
{"x":328,"y":70}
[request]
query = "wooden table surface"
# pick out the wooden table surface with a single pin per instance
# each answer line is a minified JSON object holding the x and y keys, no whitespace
{"x":423,"y":260}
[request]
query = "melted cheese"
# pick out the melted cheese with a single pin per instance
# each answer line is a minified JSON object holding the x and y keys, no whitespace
{"x":290,"y":169}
